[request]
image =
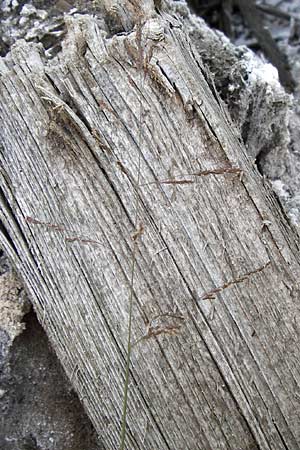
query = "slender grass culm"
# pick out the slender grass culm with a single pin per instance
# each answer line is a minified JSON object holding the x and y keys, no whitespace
{"x":136,"y":224}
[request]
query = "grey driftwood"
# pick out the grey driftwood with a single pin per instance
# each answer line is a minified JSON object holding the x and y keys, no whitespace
{"x":130,"y":126}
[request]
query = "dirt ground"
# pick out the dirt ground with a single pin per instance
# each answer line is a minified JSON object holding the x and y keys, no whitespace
{"x":38,"y":408}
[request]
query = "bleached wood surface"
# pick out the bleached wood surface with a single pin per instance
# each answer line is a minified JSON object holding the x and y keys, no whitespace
{"x":72,"y":132}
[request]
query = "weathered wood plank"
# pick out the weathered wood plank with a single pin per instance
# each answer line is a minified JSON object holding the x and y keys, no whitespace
{"x":75,"y":131}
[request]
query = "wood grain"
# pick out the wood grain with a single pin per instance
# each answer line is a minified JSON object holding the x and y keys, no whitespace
{"x":216,"y":293}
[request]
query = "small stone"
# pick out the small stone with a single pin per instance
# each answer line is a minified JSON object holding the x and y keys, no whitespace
{"x":2,"y":393}
{"x":41,"y":14}
{"x":23,"y":20}
{"x":28,"y":10}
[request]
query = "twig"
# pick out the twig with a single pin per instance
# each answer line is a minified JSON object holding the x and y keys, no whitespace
{"x":202,"y":173}
{"x":166,"y":323}
{"x":60,"y":228}
{"x":212,"y":294}
{"x":277,"y":12}
{"x":137,"y":233}
{"x":253,"y":18}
